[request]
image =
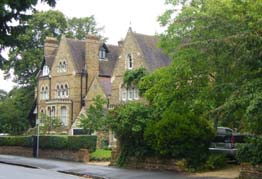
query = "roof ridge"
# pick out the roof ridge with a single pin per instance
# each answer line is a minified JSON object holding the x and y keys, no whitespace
{"x":144,"y":34}
{"x":71,"y":39}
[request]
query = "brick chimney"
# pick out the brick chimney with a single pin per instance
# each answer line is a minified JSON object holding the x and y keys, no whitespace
{"x":92,"y":59}
{"x":51,"y":44}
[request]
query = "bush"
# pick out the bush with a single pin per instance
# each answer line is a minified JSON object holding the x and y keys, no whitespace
{"x":250,"y":152}
{"x":24,"y":141}
{"x":53,"y":142}
{"x":181,"y":137}
{"x":82,"y":142}
{"x":215,"y":161}
{"x":129,"y":122}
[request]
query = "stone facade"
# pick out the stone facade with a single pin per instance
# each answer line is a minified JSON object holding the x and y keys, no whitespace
{"x":75,"y":71}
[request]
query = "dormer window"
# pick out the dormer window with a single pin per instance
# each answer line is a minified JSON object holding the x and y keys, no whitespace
{"x":102,"y":53}
{"x":129,"y":62}
{"x":45,"y":70}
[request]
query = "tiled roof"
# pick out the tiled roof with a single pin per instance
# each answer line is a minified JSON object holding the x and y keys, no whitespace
{"x":106,"y":67}
{"x":105,"y":84}
{"x":77,"y":48}
{"x":154,"y":56}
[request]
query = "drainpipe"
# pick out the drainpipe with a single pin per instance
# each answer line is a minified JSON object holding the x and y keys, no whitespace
{"x":81,"y":86}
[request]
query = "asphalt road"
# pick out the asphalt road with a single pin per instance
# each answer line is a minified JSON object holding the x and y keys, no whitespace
{"x":17,"y":172}
{"x":48,"y":169}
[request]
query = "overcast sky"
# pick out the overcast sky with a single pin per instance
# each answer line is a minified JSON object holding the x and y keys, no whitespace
{"x":115,"y":15}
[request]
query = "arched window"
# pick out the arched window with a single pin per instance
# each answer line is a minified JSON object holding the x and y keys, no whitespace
{"x":62,"y":91}
{"x":130,"y":94}
{"x":64,"y":115}
{"x":59,"y":68}
{"x":129,"y":62}
{"x":66,"y":90}
{"x":123,"y":94}
{"x":136,"y":94}
{"x":46,"y":93}
{"x":64,"y":66}
{"x":58,"y":91}
{"x":49,"y":111}
{"x":42,"y":92}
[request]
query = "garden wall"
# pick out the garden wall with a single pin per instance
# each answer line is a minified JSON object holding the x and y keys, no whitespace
{"x":81,"y":155}
{"x":249,"y":171}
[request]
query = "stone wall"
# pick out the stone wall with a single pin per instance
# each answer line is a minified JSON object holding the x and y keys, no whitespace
{"x":249,"y":171}
{"x":148,"y":163}
{"x":81,"y":155}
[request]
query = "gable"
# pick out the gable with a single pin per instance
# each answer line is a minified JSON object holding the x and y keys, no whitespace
{"x":94,"y":90}
{"x":63,"y":54}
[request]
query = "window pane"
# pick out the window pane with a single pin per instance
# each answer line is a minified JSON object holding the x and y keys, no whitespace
{"x":64,"y":115}
{"x":130,"y":94}
{"x":123,"y":94}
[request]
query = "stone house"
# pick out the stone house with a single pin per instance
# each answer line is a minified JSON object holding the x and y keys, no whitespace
{"x":75,"y":71}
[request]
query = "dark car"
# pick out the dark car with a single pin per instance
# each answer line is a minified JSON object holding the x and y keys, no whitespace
{"x":224,"y":142}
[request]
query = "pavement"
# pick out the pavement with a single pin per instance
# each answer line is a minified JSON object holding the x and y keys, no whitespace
{"x":99,"y":172}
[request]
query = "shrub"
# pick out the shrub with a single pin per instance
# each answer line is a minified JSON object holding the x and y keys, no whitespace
{"x":251,"y":151}
{"x":215,"y":161}
{"x":82,"y":142}
{"x":53,"y":142}
{"x":129,"y":122}
{"x":182,"y":137}
{"x":25,"y":141}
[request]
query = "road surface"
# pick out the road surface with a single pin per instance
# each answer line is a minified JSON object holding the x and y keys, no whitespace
{"x":16,"y":172}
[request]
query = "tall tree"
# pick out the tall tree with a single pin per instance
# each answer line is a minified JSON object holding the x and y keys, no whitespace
{"x":14,"y":10}
{"x":14,"y":110}
{"x":216,"y":72}
{"x":78,"y":28}
{"x":25,"y":59}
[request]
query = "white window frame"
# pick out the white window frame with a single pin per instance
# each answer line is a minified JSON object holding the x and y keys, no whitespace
{"x":66,"y":90}
{"x":130,"y":94}
{"x":102,"y":53}
{"x":63,"y":116}
{"x":136,"y":94}
{"x":52,"y":112}
{"x":124,"y":94}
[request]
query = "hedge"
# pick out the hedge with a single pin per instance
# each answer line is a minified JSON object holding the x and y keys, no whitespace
{"x":251,"y":152}
{"x":53,"y":142}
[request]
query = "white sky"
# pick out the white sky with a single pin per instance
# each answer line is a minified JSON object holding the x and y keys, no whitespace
{"x":115,"y":15}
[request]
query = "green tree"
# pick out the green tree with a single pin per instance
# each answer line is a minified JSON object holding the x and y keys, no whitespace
{"x":26,"y":57}
{"x":94,"y":119}
{"x":14,"y":10}
{"x":129,"y":121}
{"x":216,"y":68}
{"x":49,"y":124}
{"x":3,"y":94}
{"x":14,"y":110}
{"x":78,"y":28}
